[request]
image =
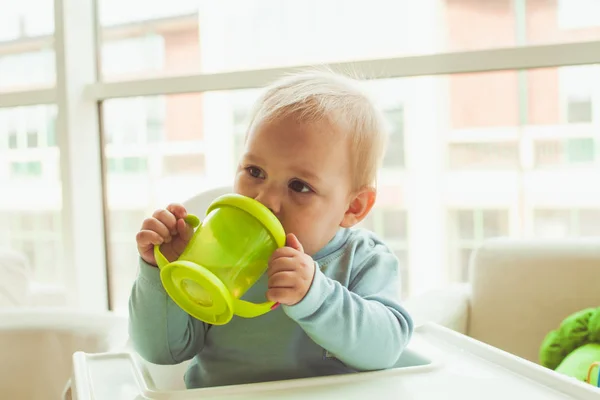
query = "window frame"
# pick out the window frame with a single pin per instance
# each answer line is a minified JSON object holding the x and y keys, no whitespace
{"x":79,"y":131}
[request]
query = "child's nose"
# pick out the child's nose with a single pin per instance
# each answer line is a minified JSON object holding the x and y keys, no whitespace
{"x":270,"y":200}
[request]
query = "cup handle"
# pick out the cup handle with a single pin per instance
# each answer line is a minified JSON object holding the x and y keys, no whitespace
{"x":161,"y":260}
{"x":246,"y":309}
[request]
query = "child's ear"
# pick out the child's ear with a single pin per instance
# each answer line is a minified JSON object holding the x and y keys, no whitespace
{"x":360,"y":205}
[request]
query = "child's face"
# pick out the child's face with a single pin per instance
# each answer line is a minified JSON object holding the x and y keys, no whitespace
{"x":301,"y":172}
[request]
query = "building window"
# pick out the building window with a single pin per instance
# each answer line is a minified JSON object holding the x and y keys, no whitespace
{"x":581,"y":150}
{"x":391,"y":224}
{"x":127,"y":165}
{"x":563,"y":152}
{"x":468,"y":229}
{"x":27,"y":69}
{"x":13,"y":140}
{"x":26,"y":169}
{"x":35,"y":234}
{"x":579,"y":110}
{"x":125,"y":223}
{"x":563,"y":223}
{"x":155,"y":118}
{"x":184,"y":164}
{"x":500,"y":155}
{"x":240,"y":126}
{"x":578,"y":93}
{"x":32,"y":139}
{"x":394,"y":156}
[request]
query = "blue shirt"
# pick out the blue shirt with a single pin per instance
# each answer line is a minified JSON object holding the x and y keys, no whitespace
{"x":350,"y":320}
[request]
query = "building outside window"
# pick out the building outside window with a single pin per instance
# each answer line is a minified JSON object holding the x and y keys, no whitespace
{"x":468,"y":229}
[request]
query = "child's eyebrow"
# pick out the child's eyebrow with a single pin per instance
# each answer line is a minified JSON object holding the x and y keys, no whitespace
{"x":252,"y":159}
{"x":307,"y":174}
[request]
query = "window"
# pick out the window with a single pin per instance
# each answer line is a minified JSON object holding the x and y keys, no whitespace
{"x":126,"y":57}
{"x":127,"y":165}
{"x":480,"y":144}
{"x":581,"y":150}
{"x":13,"y":140}
{"x":394,"y":156}
{"x":579,"y":110}
{"x":26,"y":70}
{"x":155,"y":118}
{"x":580,"y":91}
{"x":29,"y":169}
{"x":573,"y":152}
{"x":502,"y":155}
{"x":35,"y":235}
{"x":123,"y":256}
{"x":240,"y":127}
{"x":30,"y":215}
{"x":391,"y":225}
{"x":144,"y":172}
{"x":221,"y":36}
{"x":32,"y":139}
{"x":184,"y":164}
{"x":468,"y":229}
{"x":203,"y":136}
{"x":135,"y":121}
{"x":563,"y":223}
{"x":589,"y":223}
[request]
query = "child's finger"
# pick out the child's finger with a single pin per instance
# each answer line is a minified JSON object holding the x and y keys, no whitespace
{"x":145,"y":238}
{"x":168,"y":219}
{"x":283,"y":252}
{"x":283,"y":296}
{"x":292,"y":241}
{"x":283,"y":280}
{"x":153,"y":224}
{"x":181,"y":240}
{"x":178,"y":210}
{"x":281,"y":265}
{"x":185,"y":230}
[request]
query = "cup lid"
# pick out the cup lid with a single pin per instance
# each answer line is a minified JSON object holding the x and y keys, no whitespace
{"x":256,"y":209}
{"x":198,"y":292}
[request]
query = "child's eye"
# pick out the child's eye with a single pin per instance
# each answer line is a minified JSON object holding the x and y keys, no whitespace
{"x":255,"y":172}
{"x":300,"y":187}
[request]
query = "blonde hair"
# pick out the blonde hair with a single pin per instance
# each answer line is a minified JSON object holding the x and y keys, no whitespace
{"x":322,"y":95}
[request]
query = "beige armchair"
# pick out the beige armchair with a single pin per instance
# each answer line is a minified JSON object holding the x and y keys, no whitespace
{"x":518,"y":291}
{"x":37,"y":345}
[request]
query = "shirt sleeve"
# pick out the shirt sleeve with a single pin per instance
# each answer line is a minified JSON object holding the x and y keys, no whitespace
{"x":364,"y":325}
{"x":161,"y":332}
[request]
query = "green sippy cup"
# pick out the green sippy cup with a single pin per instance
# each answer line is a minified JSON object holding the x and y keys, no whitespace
{"x":227,"y":254}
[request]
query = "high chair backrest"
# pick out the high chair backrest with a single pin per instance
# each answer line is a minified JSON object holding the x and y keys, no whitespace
{"x":199,"y":203}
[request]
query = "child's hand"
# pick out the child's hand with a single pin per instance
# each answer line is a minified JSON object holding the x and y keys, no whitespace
{"x":167,"y":228}
{"x":290,"y":272}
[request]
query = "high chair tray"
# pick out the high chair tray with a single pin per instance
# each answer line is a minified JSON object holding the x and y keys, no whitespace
{"x":438,"y":364}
